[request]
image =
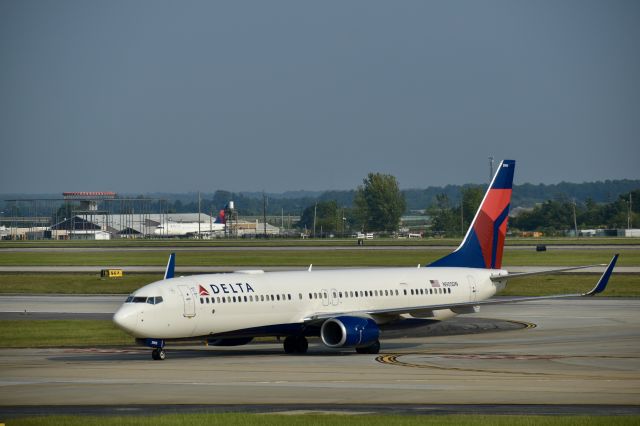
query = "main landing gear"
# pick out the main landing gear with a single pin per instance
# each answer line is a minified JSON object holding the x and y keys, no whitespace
{"x":296,"y":345}
{"x":158,"y":354}
{"x":373,"y":348}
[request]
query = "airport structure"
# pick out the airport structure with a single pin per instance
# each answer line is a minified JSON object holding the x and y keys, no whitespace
{"x":105,"y":216}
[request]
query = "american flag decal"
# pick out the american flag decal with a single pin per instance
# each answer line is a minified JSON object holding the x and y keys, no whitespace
{"x":434,"y":283}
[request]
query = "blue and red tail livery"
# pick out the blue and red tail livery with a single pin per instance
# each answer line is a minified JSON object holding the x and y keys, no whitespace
{"x":483,"y":245}
{"x":220,"y":218}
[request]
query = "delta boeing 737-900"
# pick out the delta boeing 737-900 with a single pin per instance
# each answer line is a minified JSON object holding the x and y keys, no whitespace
{"x":345,"y":308}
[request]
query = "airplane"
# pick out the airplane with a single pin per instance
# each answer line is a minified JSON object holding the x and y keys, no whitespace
{"x":182,"y":229}
{"x":345,"y":308}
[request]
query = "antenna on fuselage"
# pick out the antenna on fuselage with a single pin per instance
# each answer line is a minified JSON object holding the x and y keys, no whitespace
{"x":171,"y":265}
{"x":310,"y":266}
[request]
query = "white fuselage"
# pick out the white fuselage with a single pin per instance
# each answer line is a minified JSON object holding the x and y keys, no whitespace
{"x":215,"y":304}
{"x":178,"y":229}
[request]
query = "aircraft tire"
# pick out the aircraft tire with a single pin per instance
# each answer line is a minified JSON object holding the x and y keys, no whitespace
{"x":301,"y":345}
{"x":290,"y":343}
{"x":158,"y":354}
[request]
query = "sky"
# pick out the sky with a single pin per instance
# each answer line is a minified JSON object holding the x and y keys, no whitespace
{"x":179,"y":96}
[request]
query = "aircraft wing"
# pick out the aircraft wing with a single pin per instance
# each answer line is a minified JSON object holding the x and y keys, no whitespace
{"x":547,"y":271}
{"x":469,"y":307}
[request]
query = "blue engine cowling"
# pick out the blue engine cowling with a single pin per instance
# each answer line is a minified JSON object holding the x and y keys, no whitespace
{"x":349,"y":332}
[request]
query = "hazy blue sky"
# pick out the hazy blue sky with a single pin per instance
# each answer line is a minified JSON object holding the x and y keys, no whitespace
{"x":141,"y":96}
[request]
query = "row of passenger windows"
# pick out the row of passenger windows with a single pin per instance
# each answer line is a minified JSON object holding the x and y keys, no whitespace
{"x":250,"y":298}
{"x":379,"y":293}
{"x":321,"y":295}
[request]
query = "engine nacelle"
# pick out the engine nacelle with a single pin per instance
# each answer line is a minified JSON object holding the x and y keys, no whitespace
{"x":349,"y":332}
{"x":229,"y":342}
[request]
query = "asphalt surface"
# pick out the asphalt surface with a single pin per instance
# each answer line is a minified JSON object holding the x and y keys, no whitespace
{"x":221,"y":269}
{"x":581,"y":357}
{"x":169,"y":249}
{"x":8,"y":412}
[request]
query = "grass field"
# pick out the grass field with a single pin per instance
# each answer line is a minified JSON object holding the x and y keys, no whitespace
{"x":235,"y":419}
{"x":75,"y":283}
{"x":297,"y":242}
{"x":60,"y":333}
{"x":625,"y":285}
{"x":356,"y":257}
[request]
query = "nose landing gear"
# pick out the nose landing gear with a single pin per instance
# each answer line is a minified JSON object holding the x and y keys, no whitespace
{"x":158,"y":354}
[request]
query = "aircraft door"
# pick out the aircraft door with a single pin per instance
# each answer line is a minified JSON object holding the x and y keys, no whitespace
{"x":189,"y":300}
{"x":473,"y":288}
{"x":334,"y":297}
{"x":325,"y":297}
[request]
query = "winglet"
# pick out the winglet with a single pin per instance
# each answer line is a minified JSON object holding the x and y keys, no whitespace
{"x":171,"y":265}
{"x":604,"y":279}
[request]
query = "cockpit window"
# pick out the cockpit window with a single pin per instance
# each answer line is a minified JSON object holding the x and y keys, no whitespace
{"x":152,"y":300}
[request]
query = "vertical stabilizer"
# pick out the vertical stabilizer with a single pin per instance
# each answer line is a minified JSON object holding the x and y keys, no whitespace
{"x":169,"y":272}
{"x":483,"y":244}
{"x":220,"y":218}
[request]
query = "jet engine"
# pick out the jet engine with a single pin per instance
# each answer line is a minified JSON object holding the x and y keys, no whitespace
{"x":349,"y":332}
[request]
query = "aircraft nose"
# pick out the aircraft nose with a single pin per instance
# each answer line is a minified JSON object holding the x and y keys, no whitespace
{"x":126,"y":319}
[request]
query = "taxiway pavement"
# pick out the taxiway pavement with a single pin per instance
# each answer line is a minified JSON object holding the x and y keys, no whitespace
{"x":581,"y":351}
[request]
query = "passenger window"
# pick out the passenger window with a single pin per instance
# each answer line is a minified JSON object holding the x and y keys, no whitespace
{"x":234,"y":299}
{"x":300,"y":295}
{"x":272,"y":298}
{"x":206,"y":299}
{"x":405,"y":292}
{"x":201,"y":300}
{"x":278,"y":297}
{"x":340,"y":294}
{"x":396,"y":292}
{"x":289,"y":296}
{"x":412,"y":292}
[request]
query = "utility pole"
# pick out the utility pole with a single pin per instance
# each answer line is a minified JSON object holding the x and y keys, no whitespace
{"x":629,"y":221}
{"x":490,"y":168}
{"x":462,"y":215}
{"x":575,"y":222}
{"x":264,"y":212}
{"x":315,"y":212}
